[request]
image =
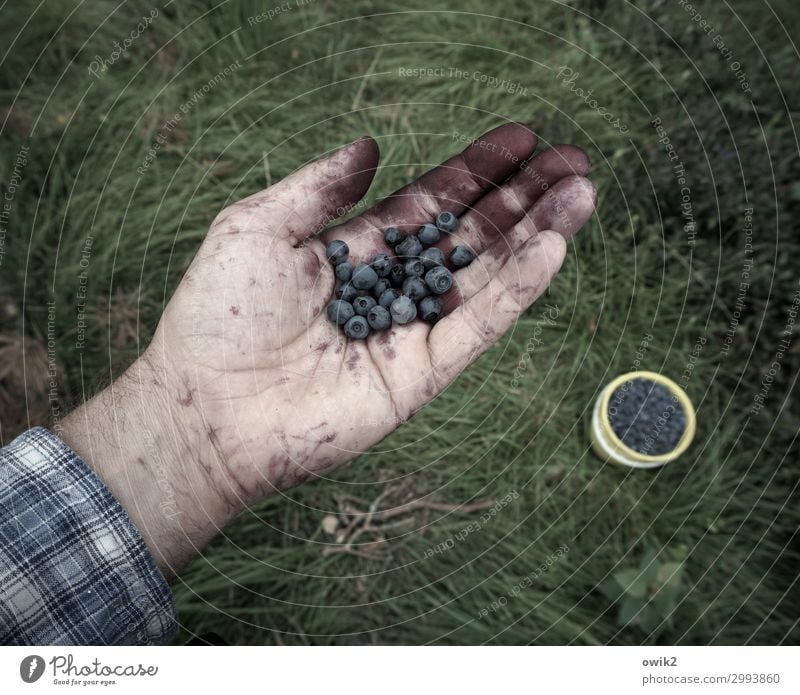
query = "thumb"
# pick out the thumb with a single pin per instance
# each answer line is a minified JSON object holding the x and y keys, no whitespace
{"x":305,"y":201}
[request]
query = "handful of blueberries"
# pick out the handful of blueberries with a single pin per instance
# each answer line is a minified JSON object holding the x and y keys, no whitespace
{"x":371,"y":297}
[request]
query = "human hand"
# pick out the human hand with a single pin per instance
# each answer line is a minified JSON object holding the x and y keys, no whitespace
{"x":247,"y":389}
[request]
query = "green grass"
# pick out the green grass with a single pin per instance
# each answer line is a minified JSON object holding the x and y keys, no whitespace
{"x":318,"y":76}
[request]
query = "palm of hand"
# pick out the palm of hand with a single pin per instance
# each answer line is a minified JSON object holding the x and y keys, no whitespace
{"x":262,"y":375}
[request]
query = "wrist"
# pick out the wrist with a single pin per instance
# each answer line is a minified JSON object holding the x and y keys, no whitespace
{"x":137,"y":441}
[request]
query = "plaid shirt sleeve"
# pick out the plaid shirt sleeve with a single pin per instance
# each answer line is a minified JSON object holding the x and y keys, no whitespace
{"x":73,"y":568}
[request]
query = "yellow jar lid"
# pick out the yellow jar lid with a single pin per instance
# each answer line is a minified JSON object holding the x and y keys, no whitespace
{"x":610,"y":447}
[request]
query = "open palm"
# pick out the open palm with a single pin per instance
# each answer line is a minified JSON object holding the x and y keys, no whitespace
{"x":271,"y":387}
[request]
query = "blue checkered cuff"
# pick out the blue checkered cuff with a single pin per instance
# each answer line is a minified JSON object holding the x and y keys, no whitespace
{"x":73,"y":568}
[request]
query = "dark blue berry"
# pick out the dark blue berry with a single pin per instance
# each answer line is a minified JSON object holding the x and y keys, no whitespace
{"x":439,"y":279}
{"x":446,"y":221}
{"x":347,"y":292}
{"x":337,"y":252}
{"x":364,"y":277}
{"x":430,"y":309}
{"x":397,"y":275}
{"x":362,"y":305}
{"x":388,"y":297}
{"x":379,"y":318}
{"x":414,"y":288}
{"x":340,"y":312}
{"x":357,"y":328}
{"x":431,"y":258}
{"x":343,"y":271}
{"x":392,"y":236}
{"x":382,"y":265}
{"x":380,"y":287}
{"x":403,"y":310}
{"x":410,"y":247}
{"x":428,"y":234}
{"x":414,"y":268}
{"x":461,"y":256}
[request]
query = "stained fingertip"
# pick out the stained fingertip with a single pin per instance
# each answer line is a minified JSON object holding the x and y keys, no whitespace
{"x":566,"y":207}
{"x":349,"y":173}
{"x":559,"y":161}
{"x":362,"y":155}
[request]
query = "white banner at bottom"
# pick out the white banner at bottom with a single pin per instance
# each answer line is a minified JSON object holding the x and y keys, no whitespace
{"x":401,"y":670}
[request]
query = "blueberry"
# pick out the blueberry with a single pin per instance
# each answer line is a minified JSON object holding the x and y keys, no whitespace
{"x":388,"y":297}
{"x":414,"y":268}
{"x":337,"y":252}
{"x":379,"y":318}
{"x":403,"y":310}
{"x":340,"y":312}
{"x":428,"y":234}
{"x":439,"y":279}
{"x":362,"y":305}
{"x":446,"y":221}
{"x":364,"y":277}
{"x":357,"y":328}
{"x":392,"y":236}
{"x":379,"y":288}
{"x":430,"y":309}
{"x":461,"y":256}
{"x":397,"y":275}
{"x":410,"y":247}
{"x":343,"y":271}
{"x":382,"y":265}
{"x":347,"y":292}
{"x":431,"y":258}
{"x":414,"y":288}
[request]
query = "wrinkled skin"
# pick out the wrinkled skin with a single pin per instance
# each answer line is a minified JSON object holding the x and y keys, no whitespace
{"x":262,"y":392}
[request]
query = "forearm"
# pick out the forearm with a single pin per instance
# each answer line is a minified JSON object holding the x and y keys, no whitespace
{"x":147,"y":454}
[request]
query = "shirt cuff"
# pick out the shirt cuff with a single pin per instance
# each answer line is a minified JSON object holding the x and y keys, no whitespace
{"x":73,"y":568}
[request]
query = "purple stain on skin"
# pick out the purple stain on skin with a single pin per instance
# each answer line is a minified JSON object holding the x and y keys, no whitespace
{"x":234,"y":310}
{"x":187,"y":400}
{"x":451,"y":300}
{"x":311,"y":266}
{"x":353,"y":361}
